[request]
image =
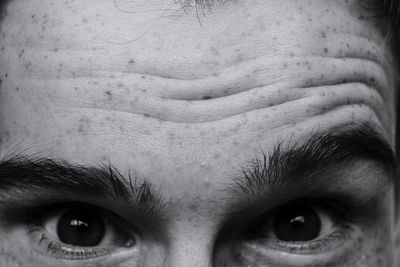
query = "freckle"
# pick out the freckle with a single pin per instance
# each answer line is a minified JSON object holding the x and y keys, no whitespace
{"x":131,"y":61}
{"x":143,"y":77}
{"x":323,"y":35}
{"x":56,"y":50}
{"x":7,"y":135}
{"x":21,"y":53}
{"x":146,"y":115}
{"x":171,"y":136}
{"x":192,"y":207}
{"x":326,"y":50}
{"x":206,"y":97}
{"x":108,"y":93}
{"x":120,"y":85}
{"x":17,"y":88}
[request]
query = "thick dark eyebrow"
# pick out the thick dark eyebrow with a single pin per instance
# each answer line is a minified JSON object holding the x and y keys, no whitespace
{"x":322,"y":151}
{"x":30,"y":174}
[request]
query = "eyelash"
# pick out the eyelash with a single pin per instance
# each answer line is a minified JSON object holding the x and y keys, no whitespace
{"x":340,"y":216}
{"x":55,"y":248}
{"x":324,"y":243}
{"x":342,"y":221}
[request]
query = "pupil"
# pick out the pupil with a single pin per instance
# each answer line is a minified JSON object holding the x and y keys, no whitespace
{"x":297,"y":224}
{"x":81,"y":227}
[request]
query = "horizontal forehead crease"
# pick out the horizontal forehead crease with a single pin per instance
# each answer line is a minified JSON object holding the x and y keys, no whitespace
{"x":308,"y":70}
{"x":261,"y":84}
{"x":213,"y":87}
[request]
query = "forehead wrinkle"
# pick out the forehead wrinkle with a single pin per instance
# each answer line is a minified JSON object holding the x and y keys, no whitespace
{"x":98,"y":60}
{"x":340,"y":87}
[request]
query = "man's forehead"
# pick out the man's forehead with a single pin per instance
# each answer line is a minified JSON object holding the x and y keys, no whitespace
{"x":184,"y":92}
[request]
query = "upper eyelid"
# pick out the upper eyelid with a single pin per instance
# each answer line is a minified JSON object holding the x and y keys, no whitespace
{"x":122,"y":232}
{"x":352,"y":207}
{"x":338,"y":209}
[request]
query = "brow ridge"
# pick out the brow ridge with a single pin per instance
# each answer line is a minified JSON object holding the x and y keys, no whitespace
{"x":297,"y":161}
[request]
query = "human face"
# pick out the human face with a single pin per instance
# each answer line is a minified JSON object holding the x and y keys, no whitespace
{"x":258,"y":133}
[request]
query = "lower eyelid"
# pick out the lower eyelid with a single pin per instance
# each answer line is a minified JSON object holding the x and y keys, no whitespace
{"x":326,"y":243}
{"x":47,"y":246}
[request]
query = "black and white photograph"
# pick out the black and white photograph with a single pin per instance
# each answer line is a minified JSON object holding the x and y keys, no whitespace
{"x":199,"y":133}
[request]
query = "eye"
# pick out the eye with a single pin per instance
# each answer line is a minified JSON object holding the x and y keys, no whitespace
{"x":80,"y":227}
{"x":81,"y":232}
{"x":298,"y":223}
{"x":302,"y":226}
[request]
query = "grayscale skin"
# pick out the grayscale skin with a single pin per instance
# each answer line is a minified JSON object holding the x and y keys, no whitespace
{"x":184,"y":98}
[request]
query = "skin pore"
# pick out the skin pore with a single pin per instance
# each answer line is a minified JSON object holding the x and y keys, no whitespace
{"x":185,"y":99}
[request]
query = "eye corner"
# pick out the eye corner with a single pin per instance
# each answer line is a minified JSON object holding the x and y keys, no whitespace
{"x":79,"y":231}
{"x":303,"y":226}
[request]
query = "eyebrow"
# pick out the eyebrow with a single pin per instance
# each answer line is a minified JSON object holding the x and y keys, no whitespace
{"x":29,"y":174}
{"x":322,"y":151}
